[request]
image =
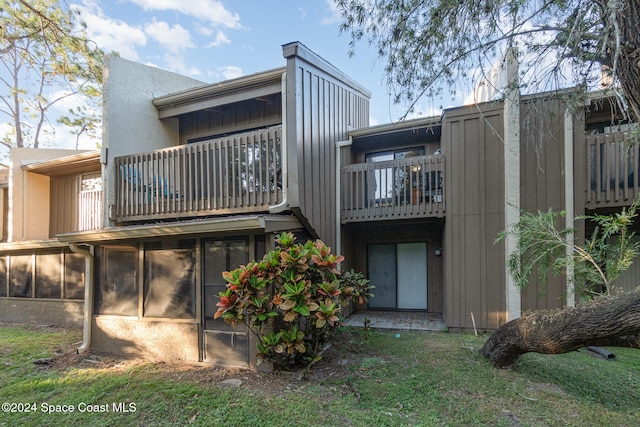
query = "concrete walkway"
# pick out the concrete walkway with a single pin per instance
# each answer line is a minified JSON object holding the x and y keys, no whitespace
{"x":401,"y":320}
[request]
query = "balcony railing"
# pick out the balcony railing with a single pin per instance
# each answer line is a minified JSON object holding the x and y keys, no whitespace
{"x":613,"y":171}
{"x":90,"y":210}
{"x":235,"y":174}
{"x":412,"y":187}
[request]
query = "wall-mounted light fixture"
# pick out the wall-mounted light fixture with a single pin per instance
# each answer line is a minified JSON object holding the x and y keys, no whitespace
{"x":438,"y":251}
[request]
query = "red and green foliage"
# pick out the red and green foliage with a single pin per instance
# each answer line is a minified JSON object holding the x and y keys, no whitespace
{"x":291,"y":299}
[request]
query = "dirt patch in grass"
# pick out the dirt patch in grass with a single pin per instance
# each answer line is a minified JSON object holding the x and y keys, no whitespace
{"x":337,"y":364}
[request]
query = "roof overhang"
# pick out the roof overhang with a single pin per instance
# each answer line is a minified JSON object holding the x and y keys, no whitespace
{"x":217,"y":94}
{"x":31,"y":245}
{"x":78,"y":163}
{"x":401,"y":126}
{"x":245,"y":223}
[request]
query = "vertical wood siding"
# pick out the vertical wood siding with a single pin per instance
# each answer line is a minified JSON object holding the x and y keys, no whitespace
{"x":321,"y":107}
{"x":251,"y":114}
{"x":474,"y":265}
{"x":543,"y":171}
{"x":63,"y":204}
{"x":542,"y":183}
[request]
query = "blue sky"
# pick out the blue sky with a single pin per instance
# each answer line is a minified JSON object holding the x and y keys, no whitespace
{"x":214,"y":40}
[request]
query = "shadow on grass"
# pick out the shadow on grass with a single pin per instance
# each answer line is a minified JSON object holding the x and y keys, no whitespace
{"x":614,"y":385}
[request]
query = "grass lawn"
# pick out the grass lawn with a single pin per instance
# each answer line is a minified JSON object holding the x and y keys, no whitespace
{"x":390,"y":379}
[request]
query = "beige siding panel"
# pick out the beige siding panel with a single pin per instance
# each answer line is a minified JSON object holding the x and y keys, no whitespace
{"x":473,"y":267}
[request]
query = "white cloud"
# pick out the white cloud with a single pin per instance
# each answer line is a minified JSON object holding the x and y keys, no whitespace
{"x":111,"y":34}
{"x":212,"y":11}
{"x":230,"y":72}
{"x":220,"y":39}
{"x":335,"y":16}
{"x":63,"y":138}
{"x":205,"y":31}
{"x":175,"y":39}
{"x":175,"y":63}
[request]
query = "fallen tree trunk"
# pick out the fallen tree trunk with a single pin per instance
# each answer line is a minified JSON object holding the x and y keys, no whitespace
{"x":610,"y":322}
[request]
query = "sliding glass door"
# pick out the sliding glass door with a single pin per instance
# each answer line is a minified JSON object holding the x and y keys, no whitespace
{"x":399,"y":274}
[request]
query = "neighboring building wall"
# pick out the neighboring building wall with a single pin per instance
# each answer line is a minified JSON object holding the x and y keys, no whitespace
{"x":130,"y":120}
{"x":64,"y":204}
{"x":41,"y":283}
{"x":58,"y":313}
{"x":4,"y":202}
{"x":474,"y":274}
{"x":29,"y":194}
{"x":4,"y":213}
{"x":322,"y":105}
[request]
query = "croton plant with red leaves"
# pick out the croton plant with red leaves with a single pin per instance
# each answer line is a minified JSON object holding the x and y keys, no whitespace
{"x":291,"y":299}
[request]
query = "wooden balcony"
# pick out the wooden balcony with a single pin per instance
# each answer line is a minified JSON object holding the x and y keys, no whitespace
{"x":412,"y":187}
{"x":90,"y":210}
{"x":613,"y":170}
{"x":236,"y":174}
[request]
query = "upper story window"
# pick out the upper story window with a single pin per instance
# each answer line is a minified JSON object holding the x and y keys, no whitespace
{"x":402,"y":153}
{"x":91,"y":181}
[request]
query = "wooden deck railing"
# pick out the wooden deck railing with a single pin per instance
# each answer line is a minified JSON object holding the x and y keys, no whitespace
{"x":412,"y":187}
{"x":613,"y":170}
{"x":90,"y":210}
{"x":236,"y":174}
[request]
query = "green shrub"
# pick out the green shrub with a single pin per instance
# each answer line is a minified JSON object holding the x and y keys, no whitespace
{"x":291,"y":299}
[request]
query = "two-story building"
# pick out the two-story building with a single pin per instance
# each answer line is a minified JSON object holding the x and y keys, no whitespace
{"x":46,"y":192}
{"x":198,"y":179}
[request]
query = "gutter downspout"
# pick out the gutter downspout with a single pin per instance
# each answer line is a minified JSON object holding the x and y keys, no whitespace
{"x":88,"y":295}
{"x":339,"y":145}
{"x":284,"y":150}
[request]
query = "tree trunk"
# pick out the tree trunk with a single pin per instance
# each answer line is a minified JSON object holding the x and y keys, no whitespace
{"x":627,"y":22}
{"x":612,"y":322}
